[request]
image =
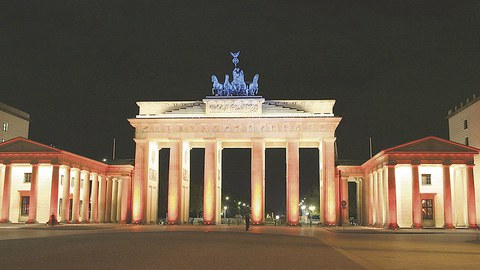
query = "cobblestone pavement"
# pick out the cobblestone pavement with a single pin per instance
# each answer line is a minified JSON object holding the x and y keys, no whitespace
{"x":110,"y":246}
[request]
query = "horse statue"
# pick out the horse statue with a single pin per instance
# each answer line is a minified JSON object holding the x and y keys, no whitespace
{"x":217,"y":88}
{"x":228,"y":89}
{"x":253,"y":86}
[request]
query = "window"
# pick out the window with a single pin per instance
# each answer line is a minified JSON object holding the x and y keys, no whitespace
{"x":427,"y":209}
{"x":60,"y":207}
{"x":465,"y":124}
{"x":72,"y":182}
{"x":466,"y":141}
{"x":426,"y":179}
{"x":5,"y":126}
{"x":25,"y":207}
{"x":27,"y":177}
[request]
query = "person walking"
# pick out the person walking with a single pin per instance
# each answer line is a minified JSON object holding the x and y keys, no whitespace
{"x":247,"y":221}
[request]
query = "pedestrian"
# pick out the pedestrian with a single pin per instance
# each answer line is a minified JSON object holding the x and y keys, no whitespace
{"x":247,"y":221}
{"x":52,"y":219}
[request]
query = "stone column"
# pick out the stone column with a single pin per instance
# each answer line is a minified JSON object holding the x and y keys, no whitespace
{"x":66,"y":196}
{"x":185,"y":186}
{"x":375,"y":199}
{"x":94,"y":199}
{"x":85,"y":197}
{"x":118,"y":200}
{"x":258,"y":182}
{"x":76,"y":197}
{"x":32,"y":212}
{"x":381,"y":198}
{"x":371,"y":201}
{"x":384,"y":171}
{"x":416,"y":200}
{"x":6,"y":194}
{"x":293,"y":183}
{"x":125,"y":200}
{"x":102,"y":188}
{"x":210,"y":182}
{"x":447,"y":198}
{"x":140,"y":181}
{"x":392,"y":198}
{"x":108,"y":200}
{"x":331,"y":192}
{"x":472,"y":215}
{"x":321,"y":181}
{"x":113,"y":211}
{"x":366,"y":201}
{"x":54,"y":191}
{"x":344,"y":194}
{"x":175,"y":183}
{"x":359,"y":192}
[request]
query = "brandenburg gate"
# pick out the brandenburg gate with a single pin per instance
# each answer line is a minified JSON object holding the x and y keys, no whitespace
{"x":233,"y":117}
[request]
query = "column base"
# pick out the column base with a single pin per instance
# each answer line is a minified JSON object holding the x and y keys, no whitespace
{"x":393,"y":226}
{"x":209,"y":223}
{"x":473,"y":226}
{"x":31,"y":221}
{"x":75,"y":222}
{"x":417,"y":226}
{"x":5,"y":221}
{"x":449,"y":226}
{"x":85,"y":222}
{"x":257,"y":224}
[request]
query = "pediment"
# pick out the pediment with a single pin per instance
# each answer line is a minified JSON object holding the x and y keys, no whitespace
{"x":432,"y":145}
{"x":20,"y":144}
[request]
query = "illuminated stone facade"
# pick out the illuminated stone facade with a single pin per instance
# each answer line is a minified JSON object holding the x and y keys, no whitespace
{"x":464,"y":128}
{"x":14,"y":123}
{"x":424,"y":183}
{"x":216,"y":123}
{"x":38,"y":181}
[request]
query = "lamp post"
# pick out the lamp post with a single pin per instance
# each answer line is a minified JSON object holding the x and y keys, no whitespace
{"x":225,"y":211}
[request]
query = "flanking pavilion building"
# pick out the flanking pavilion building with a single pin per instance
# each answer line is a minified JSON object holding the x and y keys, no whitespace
{"x":38,"y":181}
{"x":425,"y":183}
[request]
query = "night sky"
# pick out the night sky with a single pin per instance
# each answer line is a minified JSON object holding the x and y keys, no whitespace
{"x":394,"y":67}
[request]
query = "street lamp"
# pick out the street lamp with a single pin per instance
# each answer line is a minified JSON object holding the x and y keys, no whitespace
{"x":227,"y":198}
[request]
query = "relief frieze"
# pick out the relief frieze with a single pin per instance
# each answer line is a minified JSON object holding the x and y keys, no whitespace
{"x":236,"y":128}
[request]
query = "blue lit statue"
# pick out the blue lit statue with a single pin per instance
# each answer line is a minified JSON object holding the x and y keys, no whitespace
{"x":238,"y":86}
{"x":253,"y":86}
{"x":217,"y":86}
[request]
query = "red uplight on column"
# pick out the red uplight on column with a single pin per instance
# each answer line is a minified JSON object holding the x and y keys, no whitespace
{"x":136,"y":204}
{"x":209,"y":195}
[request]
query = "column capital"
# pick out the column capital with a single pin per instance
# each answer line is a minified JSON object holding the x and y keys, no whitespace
{"x":140,"y":141}
{"x":329,"y":139}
